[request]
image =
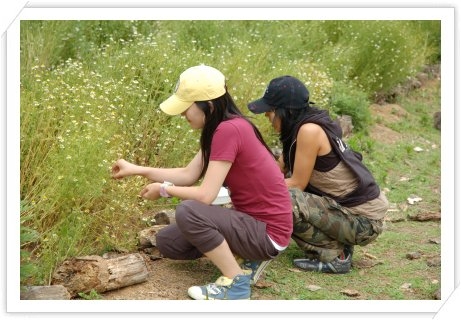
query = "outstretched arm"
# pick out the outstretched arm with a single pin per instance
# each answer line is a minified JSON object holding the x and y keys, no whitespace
{"x":179,"y":176}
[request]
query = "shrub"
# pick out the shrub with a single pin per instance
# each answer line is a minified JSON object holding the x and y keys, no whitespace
{"x":349,"y":100}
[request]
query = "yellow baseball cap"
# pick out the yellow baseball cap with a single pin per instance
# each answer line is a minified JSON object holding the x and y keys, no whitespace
{"x":199,"y":83}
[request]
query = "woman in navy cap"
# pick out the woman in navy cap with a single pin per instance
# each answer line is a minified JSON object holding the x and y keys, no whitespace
{"x":336,"y":201}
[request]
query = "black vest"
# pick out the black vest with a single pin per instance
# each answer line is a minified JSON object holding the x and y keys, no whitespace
{"x":367,"y":188}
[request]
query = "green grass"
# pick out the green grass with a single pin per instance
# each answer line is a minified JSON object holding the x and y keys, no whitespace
{"x":90,"y":92}
{"x":384,"y":281}
{"x":400,"y":160}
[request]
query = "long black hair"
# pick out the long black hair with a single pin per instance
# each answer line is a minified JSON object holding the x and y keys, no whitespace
{"x":290,"y":120}
{"x":216,"y":111}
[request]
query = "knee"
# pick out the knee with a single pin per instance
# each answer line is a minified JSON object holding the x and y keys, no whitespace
{"x":184,"y":212}
{"x":167,"y":244}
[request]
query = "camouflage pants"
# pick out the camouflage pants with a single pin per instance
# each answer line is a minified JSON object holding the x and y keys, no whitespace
{"x":322,"y":227}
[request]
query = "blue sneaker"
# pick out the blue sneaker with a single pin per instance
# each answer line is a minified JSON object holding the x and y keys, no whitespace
{"x":223,"y":289}
{"x":256,"y":268}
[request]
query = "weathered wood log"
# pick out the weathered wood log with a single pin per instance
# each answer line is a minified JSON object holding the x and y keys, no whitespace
{"x":57,"y":292}
{"x":426,"y":216}
{"x":147,"y":237}
{"x":84,"y":274}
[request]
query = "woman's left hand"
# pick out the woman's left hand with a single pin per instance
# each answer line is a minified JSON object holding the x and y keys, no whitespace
{"x":151,"y":191}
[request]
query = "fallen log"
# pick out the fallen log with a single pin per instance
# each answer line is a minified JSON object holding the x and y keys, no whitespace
{"x":426,"y":216}
{"x":57,"y":292}
{"x":84,"y":274}
{"x":147,"y":237}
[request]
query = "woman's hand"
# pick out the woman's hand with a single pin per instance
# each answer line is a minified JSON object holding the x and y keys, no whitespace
{"x":122,"y":169}
{"x":151,"y":191}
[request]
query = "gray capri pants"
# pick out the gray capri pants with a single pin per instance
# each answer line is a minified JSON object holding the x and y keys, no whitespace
{"x":200,"y":228}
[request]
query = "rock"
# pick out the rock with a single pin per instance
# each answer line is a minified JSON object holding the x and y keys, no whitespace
{"x":162,"y":218}
{"x":350,"y":292}
{"x":346,"y":125}
{"x":434,"y":262}
{"x":413,"y":255}
{"x":57,"y":292}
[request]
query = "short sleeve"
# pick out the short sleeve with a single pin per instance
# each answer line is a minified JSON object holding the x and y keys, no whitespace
{"x":225,"y":144}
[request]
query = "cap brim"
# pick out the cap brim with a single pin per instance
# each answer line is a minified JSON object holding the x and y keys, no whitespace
{"x":174,"y":106}
{"x":259,"y":106}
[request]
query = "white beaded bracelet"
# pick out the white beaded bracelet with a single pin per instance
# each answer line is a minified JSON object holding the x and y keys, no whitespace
{"x":163,"y":186}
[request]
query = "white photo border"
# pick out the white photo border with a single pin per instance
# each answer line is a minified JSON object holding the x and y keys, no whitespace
{"x":125,"y":11}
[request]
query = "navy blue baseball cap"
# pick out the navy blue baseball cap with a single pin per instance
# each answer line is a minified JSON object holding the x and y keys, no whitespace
{"x":282,"y":92}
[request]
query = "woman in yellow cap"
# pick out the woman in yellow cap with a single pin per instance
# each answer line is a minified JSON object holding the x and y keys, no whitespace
{"x":232,"y":153}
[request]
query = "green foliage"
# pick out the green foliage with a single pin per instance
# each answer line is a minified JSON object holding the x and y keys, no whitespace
{"x":430,"y":32}
{"x":361,"y":142}
{"x":347,"y":100}
{"x":376,"y":56}
{"x":90,"y":92}
{"x":27,"y":237}
{"x":93,"y":295}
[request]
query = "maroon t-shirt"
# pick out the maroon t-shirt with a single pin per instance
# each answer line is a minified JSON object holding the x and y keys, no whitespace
{"x":255,"y":182}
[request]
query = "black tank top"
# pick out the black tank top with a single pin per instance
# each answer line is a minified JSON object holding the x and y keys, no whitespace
{"x":326,"y":162}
